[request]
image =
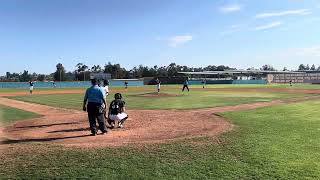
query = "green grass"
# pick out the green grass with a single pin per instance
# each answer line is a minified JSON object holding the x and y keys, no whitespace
{"x":287,"y":86}
{"x":9,"y":114}
{"x":280,"y":142}
{"x":37,"y":88}
{"x":295,"y":86}
{"x":186,"y":100}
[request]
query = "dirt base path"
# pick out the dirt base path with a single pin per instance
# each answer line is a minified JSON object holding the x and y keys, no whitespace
{"x":70,"y":127}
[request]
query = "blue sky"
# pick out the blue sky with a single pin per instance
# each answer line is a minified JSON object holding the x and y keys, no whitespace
{"x":38,"y":34}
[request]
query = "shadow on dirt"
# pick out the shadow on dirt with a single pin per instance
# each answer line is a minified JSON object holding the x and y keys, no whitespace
{"x":70,"y":130}
{"x":47,"y":125}
{"x":12,"y":141}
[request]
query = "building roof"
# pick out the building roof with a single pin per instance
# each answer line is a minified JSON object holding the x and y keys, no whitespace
{"x":242,"y":72}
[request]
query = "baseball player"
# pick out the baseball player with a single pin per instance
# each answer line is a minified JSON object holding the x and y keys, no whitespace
{"x":116,"y":111}
{"x":126,"y":84}
{"x":106,"y":86}
{"x":31,"y":87}
{"x":185,"y":85}
{"x":203,"y":82}
{"x":158,"y":82}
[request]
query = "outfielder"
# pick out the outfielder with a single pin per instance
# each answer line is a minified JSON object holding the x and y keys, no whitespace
{"x":116,"y":111}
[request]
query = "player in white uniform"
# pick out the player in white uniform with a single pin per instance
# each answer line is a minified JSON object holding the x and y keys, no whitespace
{"x":106,"y":87}
{"x":158,"y":82}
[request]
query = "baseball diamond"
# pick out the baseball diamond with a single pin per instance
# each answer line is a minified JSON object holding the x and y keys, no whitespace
{"x":159,"y":89}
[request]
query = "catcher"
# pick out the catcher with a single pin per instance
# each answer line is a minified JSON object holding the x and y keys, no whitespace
{"x":116,"y":112}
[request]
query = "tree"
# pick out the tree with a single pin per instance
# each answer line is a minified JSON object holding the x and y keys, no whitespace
{"x":302,"y":67}
{"x":172,"y":70}
{"x":116,"y":71}
{"x":307,"y":67}
{"x":81,"y":67}
{"x":267,"y":67}
{"x":96,"y":69}
{"x":82,"y":72}
{"x":285,"y":69}
{"x":70,"y":76}
{"x":41,"y":77}
{"x":8,"y":74}
{"x":60,"y":74}
{"x":313,"y":67}
{"x":25,"y":76}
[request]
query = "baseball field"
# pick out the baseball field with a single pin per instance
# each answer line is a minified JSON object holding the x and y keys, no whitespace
{"x":217,"y":132}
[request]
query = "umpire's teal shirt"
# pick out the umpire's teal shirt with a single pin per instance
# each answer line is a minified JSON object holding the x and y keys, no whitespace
{"x":94,"y":94}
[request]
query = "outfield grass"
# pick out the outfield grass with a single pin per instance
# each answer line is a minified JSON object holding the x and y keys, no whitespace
{"x":280,"y":142}
{"x":26,"y":89}
{"x":9,"y":114}
{"x":295,"y":86}
{"x":186,"y":100}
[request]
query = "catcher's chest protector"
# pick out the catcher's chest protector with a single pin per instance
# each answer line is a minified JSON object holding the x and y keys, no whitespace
{"x":116,"y":106}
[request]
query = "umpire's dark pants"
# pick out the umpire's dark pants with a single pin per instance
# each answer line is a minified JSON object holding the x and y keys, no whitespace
{"x":95,"y":114}
{"x":185,"y":86}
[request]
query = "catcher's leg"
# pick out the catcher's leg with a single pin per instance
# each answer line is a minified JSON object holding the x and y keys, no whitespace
{"x":111,"y":123}
{"x":121,"y":122}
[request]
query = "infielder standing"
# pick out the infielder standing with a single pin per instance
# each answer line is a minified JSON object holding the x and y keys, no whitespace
{"x":158,"y":82}
{"x":203,"y":82}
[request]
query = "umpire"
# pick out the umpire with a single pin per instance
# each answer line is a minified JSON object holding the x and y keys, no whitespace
{"x":93,"y":104}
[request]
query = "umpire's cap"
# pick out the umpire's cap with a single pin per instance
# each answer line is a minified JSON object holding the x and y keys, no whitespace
{"x":118,"y":96}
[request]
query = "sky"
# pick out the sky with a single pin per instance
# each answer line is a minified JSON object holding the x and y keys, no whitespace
{"x":35,"y":35}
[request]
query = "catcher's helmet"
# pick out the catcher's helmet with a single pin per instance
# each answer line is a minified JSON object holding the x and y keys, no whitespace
{"x":118,"y":96}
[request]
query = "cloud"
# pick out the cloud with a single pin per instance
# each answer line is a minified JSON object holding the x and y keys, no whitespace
{"x":310,"y":51}
{"x":267,"y":26}
{"x":230,"y":8}
{"x":179,"y":40}
{"x":232,"y":29}
{"x":284,"y":13}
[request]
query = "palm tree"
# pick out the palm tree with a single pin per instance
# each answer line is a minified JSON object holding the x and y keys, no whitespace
{"x":79,"y":66}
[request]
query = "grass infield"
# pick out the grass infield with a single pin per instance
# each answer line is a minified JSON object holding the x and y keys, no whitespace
{"x":9,"y":114}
